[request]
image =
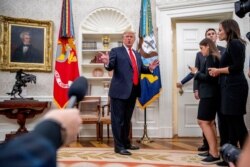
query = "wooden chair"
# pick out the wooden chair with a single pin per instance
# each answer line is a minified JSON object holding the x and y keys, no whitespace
{"x":90,"y":112}
{"x":105,"y":118}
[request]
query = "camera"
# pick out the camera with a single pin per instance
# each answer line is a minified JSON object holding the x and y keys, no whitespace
{"x":229,"y":153}
{"x":248,"y":36}
{"x":242,"y":7}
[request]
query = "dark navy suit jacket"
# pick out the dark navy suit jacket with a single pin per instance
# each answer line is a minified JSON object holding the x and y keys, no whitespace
{"x":122,"y":81}
{"x":207,"y":85}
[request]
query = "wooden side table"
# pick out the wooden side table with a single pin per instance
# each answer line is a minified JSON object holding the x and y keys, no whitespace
{"x":21,"y":110}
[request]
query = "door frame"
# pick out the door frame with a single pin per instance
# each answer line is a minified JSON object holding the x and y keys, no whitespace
{"x":167,"y":15}
{"x":187,"y":105}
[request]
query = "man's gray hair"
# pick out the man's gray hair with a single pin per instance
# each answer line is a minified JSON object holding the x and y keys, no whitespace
{"x":24,"y":33}
{"x":128,"y":31}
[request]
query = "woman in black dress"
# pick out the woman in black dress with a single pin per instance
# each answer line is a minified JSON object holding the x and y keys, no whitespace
{"x":233,"y":83}
{"x":208,"y":93}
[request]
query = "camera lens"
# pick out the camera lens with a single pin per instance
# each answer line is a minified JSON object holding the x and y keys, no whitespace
{"x":242,"y":7}
{"x":229,"y":153}
{"x":248,"y":36}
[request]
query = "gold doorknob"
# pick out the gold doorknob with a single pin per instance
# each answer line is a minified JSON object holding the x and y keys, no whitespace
{"x":181,"y":91}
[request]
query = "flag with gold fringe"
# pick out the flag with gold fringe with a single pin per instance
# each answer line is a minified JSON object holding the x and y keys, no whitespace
{"x":150,"y":83}
{"x":66,"y":63}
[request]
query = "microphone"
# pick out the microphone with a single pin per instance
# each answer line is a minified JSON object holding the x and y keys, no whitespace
{"x":77,"y":91}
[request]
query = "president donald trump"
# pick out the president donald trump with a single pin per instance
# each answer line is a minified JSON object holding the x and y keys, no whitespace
{"x":124,"y":89}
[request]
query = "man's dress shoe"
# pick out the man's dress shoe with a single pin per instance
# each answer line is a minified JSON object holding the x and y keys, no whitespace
{"x":123,"y":152}
{"x":133,"y":147}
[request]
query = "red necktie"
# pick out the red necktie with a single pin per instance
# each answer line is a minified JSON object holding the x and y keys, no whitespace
{"x":134,"y":66}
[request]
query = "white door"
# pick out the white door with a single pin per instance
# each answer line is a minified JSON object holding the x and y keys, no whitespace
{"x":188,"y":36}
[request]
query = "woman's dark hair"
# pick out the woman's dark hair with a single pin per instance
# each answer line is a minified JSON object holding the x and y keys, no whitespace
{"x":213,"y":50}
{"x":232,"y":30}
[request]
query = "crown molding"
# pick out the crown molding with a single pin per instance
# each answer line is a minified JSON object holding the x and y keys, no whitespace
{"x":183,"y":4}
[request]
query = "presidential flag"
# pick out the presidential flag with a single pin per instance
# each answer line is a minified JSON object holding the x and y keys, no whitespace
{"x":66,"y":63}
{"x":150,"y":83}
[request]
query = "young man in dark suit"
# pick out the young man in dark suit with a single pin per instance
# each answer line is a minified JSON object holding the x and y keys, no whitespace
{"x":124,"y":89}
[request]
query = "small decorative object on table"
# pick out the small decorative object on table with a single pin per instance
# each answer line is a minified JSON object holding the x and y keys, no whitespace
{"x":96,"y":59}
{"x":98,"y":72}
{"x":106,"y":85}
{"x":21,"y":79}
{"x":105,"y":41}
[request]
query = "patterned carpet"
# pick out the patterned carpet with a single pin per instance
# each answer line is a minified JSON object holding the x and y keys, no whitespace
{"x":105,"y":157}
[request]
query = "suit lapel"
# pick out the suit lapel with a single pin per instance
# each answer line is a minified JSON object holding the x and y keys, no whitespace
{"x":137,"y":55}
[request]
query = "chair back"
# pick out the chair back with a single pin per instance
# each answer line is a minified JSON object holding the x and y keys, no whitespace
{"x":90,"y":109}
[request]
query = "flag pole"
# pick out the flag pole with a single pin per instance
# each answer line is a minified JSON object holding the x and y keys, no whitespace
{"x":145,"y":139}
{"x":147,"y":47}
{"x":66,"y":62}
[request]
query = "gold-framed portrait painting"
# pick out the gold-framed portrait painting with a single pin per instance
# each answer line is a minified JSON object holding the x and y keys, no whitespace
{"x":25,"y":44}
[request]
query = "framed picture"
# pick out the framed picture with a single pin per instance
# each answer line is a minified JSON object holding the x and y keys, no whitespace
{"x":25,"y":44}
